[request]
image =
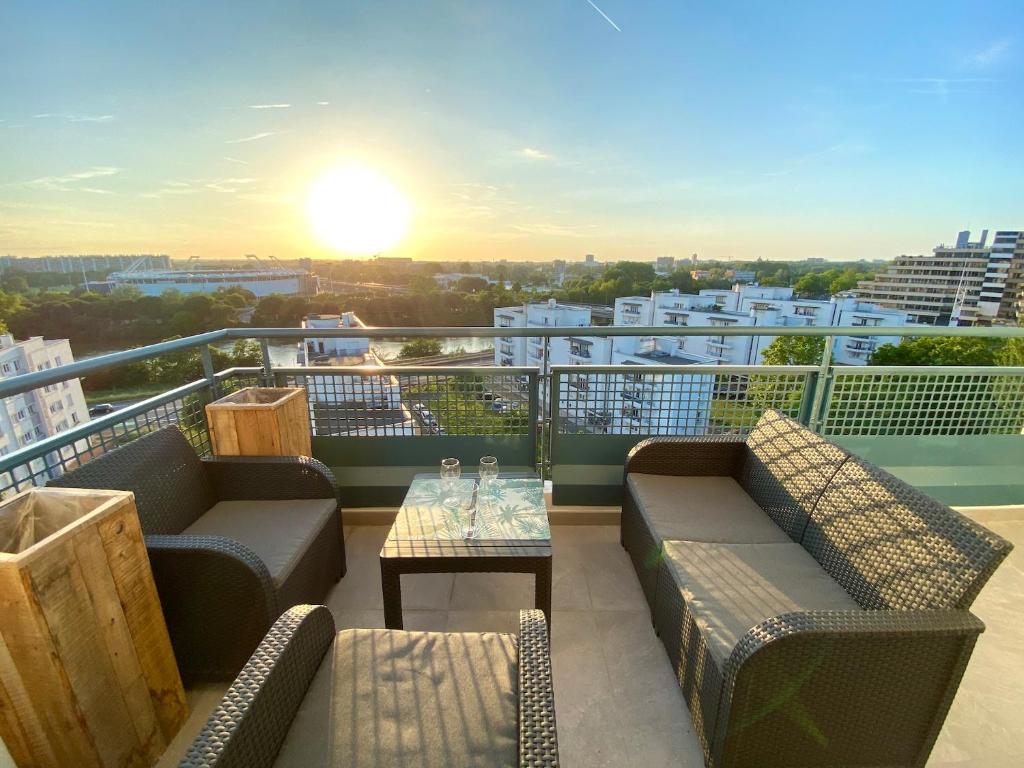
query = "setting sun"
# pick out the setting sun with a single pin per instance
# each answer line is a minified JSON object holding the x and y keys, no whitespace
{"x":357,"y":210}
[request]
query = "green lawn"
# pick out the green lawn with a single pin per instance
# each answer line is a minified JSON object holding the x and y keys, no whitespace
{"x":128,"y":393}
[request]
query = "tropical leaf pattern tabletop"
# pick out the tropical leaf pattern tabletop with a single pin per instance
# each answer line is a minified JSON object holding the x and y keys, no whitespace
{"x":511,"y":510}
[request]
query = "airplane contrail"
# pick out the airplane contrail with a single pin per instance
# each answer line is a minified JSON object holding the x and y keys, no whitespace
{"x":604,"y":15}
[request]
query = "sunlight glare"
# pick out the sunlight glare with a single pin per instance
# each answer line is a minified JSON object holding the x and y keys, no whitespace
{"x":357,"y":210}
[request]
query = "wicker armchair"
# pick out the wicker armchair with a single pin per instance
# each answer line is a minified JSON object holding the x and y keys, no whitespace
{"x":813,"y":606}
{"x":233,"y":541}
{"x":310,"y":697}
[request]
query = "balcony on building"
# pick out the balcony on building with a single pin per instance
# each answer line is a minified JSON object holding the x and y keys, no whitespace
{"x":618,"y":698}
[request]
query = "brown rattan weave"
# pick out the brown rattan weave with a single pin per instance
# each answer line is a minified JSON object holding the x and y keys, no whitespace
{"x":217,"y":595}
{"x":824,"y":688}
{"x":249,"y":726}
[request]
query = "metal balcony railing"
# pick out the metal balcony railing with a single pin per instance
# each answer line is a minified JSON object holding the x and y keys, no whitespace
{"x":365,"y":427}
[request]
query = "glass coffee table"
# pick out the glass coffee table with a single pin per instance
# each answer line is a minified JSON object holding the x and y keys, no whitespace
{"x":511,"y":535}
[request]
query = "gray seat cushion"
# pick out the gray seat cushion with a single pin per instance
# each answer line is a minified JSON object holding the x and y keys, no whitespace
{"x":712,"y":509}
{"x":278,"y":531}
{"x":729,"y":588}
{"x":389,"y":698}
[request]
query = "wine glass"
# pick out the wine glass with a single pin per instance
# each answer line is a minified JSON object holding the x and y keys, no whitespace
{"x":450,"y":472}
{"x":488,"y":473}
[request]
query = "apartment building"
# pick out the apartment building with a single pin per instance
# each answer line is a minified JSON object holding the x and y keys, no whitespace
{"x":632,"y":403}
{"x":967,"y":283}
{"x":40,"y":413}
{"x":1008,"y":255}
{"x":754,"y":305}
{"x":350,"y":405}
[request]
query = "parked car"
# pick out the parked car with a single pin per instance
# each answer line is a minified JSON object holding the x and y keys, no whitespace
{"x":101,"y":409}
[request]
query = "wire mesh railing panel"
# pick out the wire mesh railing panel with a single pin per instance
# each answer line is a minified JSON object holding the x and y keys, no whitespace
{"x":941,"y":403}
{"x":55,"y":457}
{"x":636,"y":401}
{"x":390,"y":402}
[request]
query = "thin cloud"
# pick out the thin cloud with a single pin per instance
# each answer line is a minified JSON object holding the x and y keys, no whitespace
{"x":71,"y":182}
{"x":941,"y":86}
{"x":254,"y":137}
{"x":269,"y":106}
{"x":236,"y":160}
{"x":534,"y":154}
{"x":90,"y":118}
{"x":604,"y":16}
{"x":74,"y":118}
{"x":95,"y":191}
{"x":322,"y":103}
{"x":228,"y":185}
{"x":989,"y":56}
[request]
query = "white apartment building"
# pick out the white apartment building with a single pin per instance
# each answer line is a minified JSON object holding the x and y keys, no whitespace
{"x":754,"y":305}
{"x":350,"y":404}
{"x":609,"y":403}
{"x":677,"y":403}
{"x":968,"y":283}
{"x":40,"y":413}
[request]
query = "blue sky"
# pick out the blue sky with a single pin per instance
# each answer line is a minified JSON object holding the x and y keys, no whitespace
{"x":529,"y":130}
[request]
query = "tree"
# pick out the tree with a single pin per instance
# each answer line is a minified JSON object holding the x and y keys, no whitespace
{"x":419,"y":348}
{"x":795,"y":350}
{"x":14,"y":282}
{"x":938,"y":350}
{"x":1011,"y":353}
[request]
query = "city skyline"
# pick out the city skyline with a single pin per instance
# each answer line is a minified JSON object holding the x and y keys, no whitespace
{"x":515,"y":132}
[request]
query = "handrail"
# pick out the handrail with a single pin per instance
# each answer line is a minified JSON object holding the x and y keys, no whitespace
{"x":86,"y":428}
{"x":603,"y":331}
{"x":753,"y":370}
{"x":28,"y":381}
{"x":404,"y":370}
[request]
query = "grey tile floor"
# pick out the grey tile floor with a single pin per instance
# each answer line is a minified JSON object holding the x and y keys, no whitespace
{"x":617,"y":701}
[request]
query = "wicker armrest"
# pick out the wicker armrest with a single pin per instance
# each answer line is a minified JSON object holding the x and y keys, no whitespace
{"x":250,"y":725}
{"x":842,"y":687}
{"x":217,"y":597}
{"x":270,"y":477}
{"x":538,"y":739}
{"x":709,"y":455}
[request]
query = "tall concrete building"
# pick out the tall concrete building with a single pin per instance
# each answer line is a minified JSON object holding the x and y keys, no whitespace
{"x":40,"y":413}
{"x":967,"y":283}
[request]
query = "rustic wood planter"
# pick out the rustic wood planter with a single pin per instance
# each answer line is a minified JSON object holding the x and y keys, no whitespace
{"x":260,"y":421}
{"x":87,"y":674}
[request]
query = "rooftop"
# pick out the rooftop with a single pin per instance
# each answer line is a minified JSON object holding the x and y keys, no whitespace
{"x":616,"y":698}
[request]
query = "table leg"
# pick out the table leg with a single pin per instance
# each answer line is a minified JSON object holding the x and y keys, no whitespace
{"x":391,"y":585}
{"x":542,"y":588}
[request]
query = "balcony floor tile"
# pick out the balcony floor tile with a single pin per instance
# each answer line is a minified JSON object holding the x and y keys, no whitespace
{"x":616,"y":697}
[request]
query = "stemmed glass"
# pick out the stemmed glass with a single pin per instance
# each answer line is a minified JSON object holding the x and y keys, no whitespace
{"x":450,"y":472}
{"x":488,"y":474}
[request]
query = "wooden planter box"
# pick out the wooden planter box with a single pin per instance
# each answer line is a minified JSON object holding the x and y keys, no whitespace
{"x":260,"y":421}
{"x":87,"y":674}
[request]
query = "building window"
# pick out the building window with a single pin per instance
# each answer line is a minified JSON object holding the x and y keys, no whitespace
{"x":20,"y":415}
{"x":7,"y":367}
{"x":74,"y":418}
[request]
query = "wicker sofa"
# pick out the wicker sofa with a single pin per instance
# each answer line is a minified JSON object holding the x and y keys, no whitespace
{"x":313,"y":698}
{"x":813,"y":606}
{"x":233,"y":541}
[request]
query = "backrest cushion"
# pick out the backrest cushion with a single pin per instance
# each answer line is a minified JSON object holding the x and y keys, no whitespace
{"x":892,"y":546}
{"x":162,"y":470}
{"x":786,"y":468}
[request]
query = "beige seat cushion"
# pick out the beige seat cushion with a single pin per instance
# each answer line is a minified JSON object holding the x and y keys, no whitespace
{"x":387,"y":698}
{"x":279,"y":532}
{"x":713,"y":509}
{"x":729,"y":588}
